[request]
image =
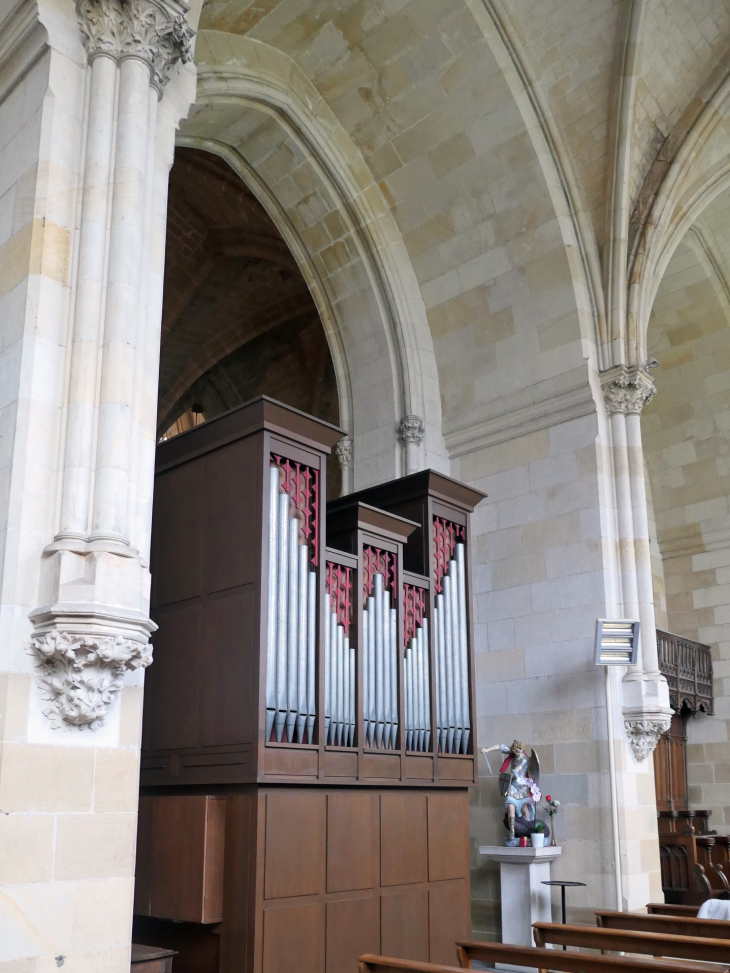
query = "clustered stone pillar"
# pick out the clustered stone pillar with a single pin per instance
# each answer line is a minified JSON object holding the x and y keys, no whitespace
{"x":647,"y":713}
{"x":93,"y":621}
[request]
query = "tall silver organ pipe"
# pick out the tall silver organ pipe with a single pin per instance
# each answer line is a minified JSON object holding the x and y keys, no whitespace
{"x":380,"y":668}
{"x":339,"y":680}
{"x":452,"y":667}
{"x":416,"y":679}
{"x":291,"y":629}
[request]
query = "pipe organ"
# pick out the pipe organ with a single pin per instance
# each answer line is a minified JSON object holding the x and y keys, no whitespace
{"x":292,"y":602}
{"x":416,"y":671}
{"x":308,"y":717}
{"x":339,"y":659}
{"x":449,"y":622}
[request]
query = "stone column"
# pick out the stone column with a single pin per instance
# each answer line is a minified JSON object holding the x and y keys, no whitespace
{"x":93,"y":622}
{"x":646,"y":710}
{"x":411,"y":431}
{"x":97,"y":92}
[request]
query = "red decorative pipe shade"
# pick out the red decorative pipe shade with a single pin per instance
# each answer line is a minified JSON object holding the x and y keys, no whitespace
{"x":375,"y":562}
{"x":339,"y":589}
{"x":414,"y":607}
{"x":302,"y":484}
{"x":446,"y":535}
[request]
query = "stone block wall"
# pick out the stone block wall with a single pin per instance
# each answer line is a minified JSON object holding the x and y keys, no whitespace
{"x":685,"y":432}
{"x":540,"y":581}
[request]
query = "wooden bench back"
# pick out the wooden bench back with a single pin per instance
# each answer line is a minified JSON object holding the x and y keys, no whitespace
{"x":663,"y":909}
{"x":673,"y":925}
{"x":543,"y":959}
{"x":630,"y":941}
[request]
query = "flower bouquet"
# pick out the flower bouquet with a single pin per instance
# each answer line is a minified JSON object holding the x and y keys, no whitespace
{"x":553,"y":806}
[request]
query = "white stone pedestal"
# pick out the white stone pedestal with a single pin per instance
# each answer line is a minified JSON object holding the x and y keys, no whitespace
{"x":524,"y":898}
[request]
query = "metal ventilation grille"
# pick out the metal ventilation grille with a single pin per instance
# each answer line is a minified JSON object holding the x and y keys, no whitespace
{"x":617,"y":642}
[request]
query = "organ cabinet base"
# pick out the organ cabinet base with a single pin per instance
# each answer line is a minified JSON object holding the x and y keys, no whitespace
{"x":314,"y":877}
{"x":308,"y":734}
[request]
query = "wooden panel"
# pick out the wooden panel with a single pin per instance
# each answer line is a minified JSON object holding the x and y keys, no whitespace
{"x":294,"y":939}
{"x":225,"y":702}
{"x":351,"y":841}
{"x":404,"y":925}
{"x":239,"y":900}
{"x":180,"y":847}
{"x":295,"y":827}
{"x":456,"y":768}
{"x":402,"y":838}
{"x":294,"y":763}
{"x":448,"y":920}
{"x":215,"y":835}
{"x":178,"y":534}
{"x":339,"y":764}
{"x":172,"y":689}
{"x":385,"y":765}
{"x":448,"y":836}
{"x":420,"y":768}
{"x":232,"y":478}
{"x":353,"y":928}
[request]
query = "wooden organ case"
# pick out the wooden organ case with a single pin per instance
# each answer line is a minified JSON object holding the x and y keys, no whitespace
{"x":308,"y":737}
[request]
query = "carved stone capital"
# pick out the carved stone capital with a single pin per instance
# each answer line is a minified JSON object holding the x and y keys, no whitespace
{"x":643,"y":733}
{"x":81,"y":674}
{"x":344,"y":452}
{"x":411,"y":430}
{"x":155,"y":31}
{"x":627,"y":389}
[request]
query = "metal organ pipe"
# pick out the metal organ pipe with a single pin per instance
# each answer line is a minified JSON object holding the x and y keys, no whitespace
{"x":416,"y":682}
{"x":302,"y":667}
{"x":379,"y":669}
{"x":282,"y":615}
{"x":393,"y":667}
{"x":292,"y":621}
{"x":271,"y":640}
{"x":371,"y":667}
{"x":311,"y":651}
{"x":452,"y":660}
{"x":378,"y":581}
{"x":339,"y":684}
{"x":327,"y":675}
{"x":456,"y":659}
{"x":387,"y":715}
{"x":291,"y":671}
{"x":366,"y":684}
{"x":463,"y":652}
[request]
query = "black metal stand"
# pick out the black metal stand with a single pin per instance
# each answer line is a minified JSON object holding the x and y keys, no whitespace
{"x":563,"y":885}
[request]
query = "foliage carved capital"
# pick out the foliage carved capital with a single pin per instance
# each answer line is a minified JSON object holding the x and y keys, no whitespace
{"x":81,"y":674}
{"x":411,"y":430}
{"x":643,"y":733}
{"x":627,"y":389}
{"x":155,"y":31}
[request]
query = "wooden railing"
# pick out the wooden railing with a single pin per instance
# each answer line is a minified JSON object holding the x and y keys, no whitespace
{"x":687,"y":666}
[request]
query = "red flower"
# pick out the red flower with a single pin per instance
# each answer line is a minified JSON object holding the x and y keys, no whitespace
{"x":548,"y":798}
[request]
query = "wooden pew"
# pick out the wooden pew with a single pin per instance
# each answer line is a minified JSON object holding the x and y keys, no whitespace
{"x":543,"y":959}
{"x":671,"y":925}
{"x":629,"y":941}
{"x":663,"y":909}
